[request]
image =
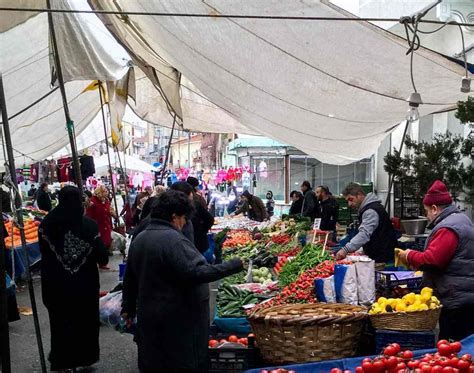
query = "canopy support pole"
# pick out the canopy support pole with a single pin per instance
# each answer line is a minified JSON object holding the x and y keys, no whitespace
{"x":165,"y":164}
{"x":392,"y":177}
{"x":4,"y":332}
{"x":19,"y":217}
{"x":108,"y":152}
{"x":189,"y":149}
{"x":69,"y":122}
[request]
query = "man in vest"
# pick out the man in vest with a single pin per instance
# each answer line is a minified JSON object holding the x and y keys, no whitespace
{"x":447,"y":262}
{"x":376,"y":234}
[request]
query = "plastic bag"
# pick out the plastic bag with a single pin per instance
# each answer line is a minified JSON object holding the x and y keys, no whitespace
{"x":325,"y":289}
{"x":345,"y":280}
{"x":365,"y":270}
{"x":10,"y":285}
{"x":110,"y":307}
{"x":119,"y":242}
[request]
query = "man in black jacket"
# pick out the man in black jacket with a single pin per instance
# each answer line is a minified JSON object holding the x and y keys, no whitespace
{"x":309,"y":201}
{"x":43,"y":198}
{"x":327,"y":208}
{"x":297,"y":203}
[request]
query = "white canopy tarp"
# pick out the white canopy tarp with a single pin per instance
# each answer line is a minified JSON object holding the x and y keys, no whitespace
{"x":332,"y":89}
{"x":133,"y":163}
{"x":41,"y":131}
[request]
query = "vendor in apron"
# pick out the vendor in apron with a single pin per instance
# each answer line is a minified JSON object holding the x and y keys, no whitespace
{"x":376,"y":235}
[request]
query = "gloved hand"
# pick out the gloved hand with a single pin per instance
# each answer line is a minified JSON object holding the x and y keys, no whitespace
{"x":401,"y":258}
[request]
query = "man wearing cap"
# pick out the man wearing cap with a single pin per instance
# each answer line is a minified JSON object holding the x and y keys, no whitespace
{"x":447,"y":262}
{"x":253,"y":207}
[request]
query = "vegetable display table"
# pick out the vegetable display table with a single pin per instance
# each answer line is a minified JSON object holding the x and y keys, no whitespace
{"x":17,"y":256}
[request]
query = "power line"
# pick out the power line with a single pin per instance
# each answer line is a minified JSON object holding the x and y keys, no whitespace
{"x":235,"y":16}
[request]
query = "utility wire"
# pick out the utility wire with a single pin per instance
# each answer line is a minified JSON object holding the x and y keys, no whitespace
{"x":236,"y":16}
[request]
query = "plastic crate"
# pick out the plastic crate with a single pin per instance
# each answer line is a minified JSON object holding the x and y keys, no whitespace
{"x":233,"y":325}
{"x":406,"y":340}
{"x":231,"y":359}
{"x":391,"y":279}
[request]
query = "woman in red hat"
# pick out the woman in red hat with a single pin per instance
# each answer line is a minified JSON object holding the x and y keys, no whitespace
{"x":447,"y":262}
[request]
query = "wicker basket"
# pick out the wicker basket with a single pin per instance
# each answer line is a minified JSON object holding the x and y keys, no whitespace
{"x":407,"y":321}
{"x":299,"y":333}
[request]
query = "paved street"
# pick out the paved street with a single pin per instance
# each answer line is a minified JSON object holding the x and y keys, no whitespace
{"x":118,"y":351}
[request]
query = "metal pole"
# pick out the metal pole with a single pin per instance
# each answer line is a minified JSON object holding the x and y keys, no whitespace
{"x":4,"y":332}
{"x":168,"y":150}
{"x":189,"y":149}
{"x":108,"y":152}
{"x":69,"y":122}
{"x":19,"y":216}
{"x":392,"y":177}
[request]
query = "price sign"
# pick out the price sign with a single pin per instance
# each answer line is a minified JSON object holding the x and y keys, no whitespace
{"x":317,"y":224}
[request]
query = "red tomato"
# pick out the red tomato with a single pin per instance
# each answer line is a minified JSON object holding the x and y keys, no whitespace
{"x":426,"y":368}
{"x":233,"y":338}
{"x":397,"y":347}
{"x":413,"y":364}
{"x":251,"y":335}
{"x":392,"y":362}
{"x":347,"y":371}
{"x":454,"y":362}
{"x":359,"y":370}
{"x":222,"y":341}
{"x":379,"y":366}
{"x":448,"y":370}
{"x":213,"y":343}
{"x":467,"y":357}
{"x":368,"y":367}
{"x":437,"y":369}
{"x":463,"y":365}
{"x":444,"y":349}
{"x":401,"y":366}
{"x":442,"y":342}
{"x":455,"y":347}
{"x":390,"y":351}
{"x":336,"y":370}
{"x":407,"y":355}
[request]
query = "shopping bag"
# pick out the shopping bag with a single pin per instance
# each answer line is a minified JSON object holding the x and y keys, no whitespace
{"x":10,"y":285}
{"x":110,"y":307}
{"x":345,"y":280}
{"x":365,"y":270}
{"x":119,"y":242}
{"x":325,"y":289}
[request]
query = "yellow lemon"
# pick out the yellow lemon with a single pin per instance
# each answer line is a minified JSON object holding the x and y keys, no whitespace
{"x":417,"y":297}
{"x":391,"y":301}
{"x":435,"y":300}
{"x":410,"y":298}
{"x":382,"y":300}
{"x":433,"y":306}
{"x":425,"y":298}
{"x":411,"y":308}
{"x":427,"y":290}
{"x":401,"y":307}
{"x":423,"y":307}
{"x":418,"y":273}
{"x":417,"y":303}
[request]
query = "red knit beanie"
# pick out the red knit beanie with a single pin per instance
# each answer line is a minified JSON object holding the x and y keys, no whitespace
{"x":437,"y":195}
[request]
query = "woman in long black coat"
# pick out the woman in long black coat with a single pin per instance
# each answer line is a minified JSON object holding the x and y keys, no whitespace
{"x":167,"y":282}
{"x":71,"y":249}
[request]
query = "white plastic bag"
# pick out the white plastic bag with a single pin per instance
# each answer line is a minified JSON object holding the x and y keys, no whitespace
{"x":365,"y":270}
{"x":345,"y":280}
{"x":119,"y":242}
{"x":325,"y":289}
{"x":110,"y":307}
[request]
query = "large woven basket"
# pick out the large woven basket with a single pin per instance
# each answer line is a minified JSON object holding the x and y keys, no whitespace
{"x":299,"y":333}
{"x":407,"y":321}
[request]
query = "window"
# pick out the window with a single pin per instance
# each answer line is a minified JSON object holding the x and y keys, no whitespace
{"x":270,"y":175}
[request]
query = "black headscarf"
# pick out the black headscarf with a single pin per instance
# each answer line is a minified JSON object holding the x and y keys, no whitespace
{"x":63,"y":229}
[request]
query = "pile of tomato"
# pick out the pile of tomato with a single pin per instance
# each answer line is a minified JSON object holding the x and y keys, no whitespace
{"x":394,"y":360}
{"x":214,"y":343}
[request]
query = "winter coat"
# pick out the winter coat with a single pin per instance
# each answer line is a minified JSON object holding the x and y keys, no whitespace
{"x":43,"y":200}
{"x":328,"y":212}
{"x":100,"y":212}
{"x":309,"y":204}
{"x":202,"y":222}
{"x":166,"y":284}
{"x":454,"y":285}
{"x":296,"y":207}
{"x":254,"y":208}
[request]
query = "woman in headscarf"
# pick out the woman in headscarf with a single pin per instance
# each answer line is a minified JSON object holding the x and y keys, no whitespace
{"x":101,"y":212}
{"x":70,"y":250}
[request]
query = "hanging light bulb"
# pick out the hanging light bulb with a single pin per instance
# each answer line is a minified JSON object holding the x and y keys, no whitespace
{"x":412,"y":114}
{"x":413,"y":101}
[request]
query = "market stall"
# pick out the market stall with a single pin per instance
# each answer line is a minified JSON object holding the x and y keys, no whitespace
{"x":303,"y":306}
